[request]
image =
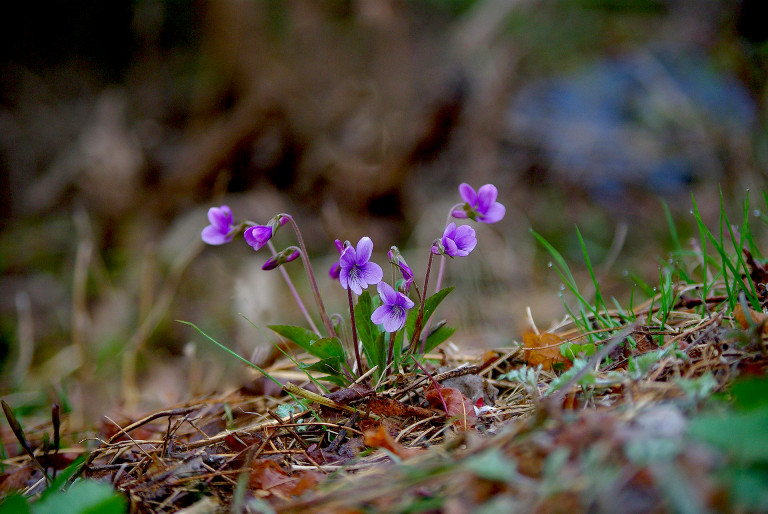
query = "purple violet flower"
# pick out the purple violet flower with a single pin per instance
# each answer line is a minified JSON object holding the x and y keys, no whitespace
{"x":395,"y":258}
{"x":392,"y":312}
{"x":335,"y":269}
{"x":356,"y":272}
{"x":481,"y":205}
{"x":289,"y":254}
{"x":258,"y":236}
{"x":456,"y":241}
{"x":222,"y":224}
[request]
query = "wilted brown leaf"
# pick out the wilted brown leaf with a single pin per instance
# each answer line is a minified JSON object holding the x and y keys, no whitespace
{"x":757,"y":318}
{"x":267,"y":475}
{"x":388,"y":407}
{"x":458,"y":405}
{"x":543,"y":349}
{"x":379,"y":438}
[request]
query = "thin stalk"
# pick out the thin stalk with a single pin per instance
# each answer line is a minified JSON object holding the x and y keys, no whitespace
{"x":420,"y":318}
{"x":311,"y":277}
{"x":354,"y":333}
{"x":391,"y":353}
{"x":441,"y":270}
{"x":442,"y":261}
{"x":295,"y":294}
{"x":434,"y":383}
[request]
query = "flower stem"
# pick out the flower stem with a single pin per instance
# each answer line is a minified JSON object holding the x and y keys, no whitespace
{"x":295,"y":294}
{"x":391,"y":352}
{"x":441,"y":270}
{"x":311,"y":278}
{"x":434,"y":383}
{"x":354,"y":334}
{"x":420,"y":318}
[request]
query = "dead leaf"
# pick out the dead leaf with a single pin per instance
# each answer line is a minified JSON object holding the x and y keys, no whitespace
{"x":459,"y":406}
{"x":387,"y":407}
{"x":268,"y":476}
{"x":350,"y":394}
{"x":757,"y":318}
{"x":543,"y":349}
{"x":379,"y":438}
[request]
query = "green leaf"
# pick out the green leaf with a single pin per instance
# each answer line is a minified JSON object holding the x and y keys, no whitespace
{"x":369,"y":334}
{"x":366,"y":330}
{"x":429,"y":307}
{"x":493,"y":465}
{"x":740,"y":434}
{"x":332,"y":367}
{"x":84,"y":497}
{"x":14,"y":504}
{"x":328,"y":348}
{"x":310,"y":342}
{"x":438,"y":337}
{"x":299,"y":335}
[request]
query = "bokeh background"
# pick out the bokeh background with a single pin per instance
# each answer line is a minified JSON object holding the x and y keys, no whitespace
{"x":121,"y":122}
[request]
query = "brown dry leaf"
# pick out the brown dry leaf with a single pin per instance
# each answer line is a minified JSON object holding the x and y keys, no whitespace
{"x":388,"y":407}
{"x":459,"y":406}
{"x":350,"y":394}
{"x":543,"y":349}
{"x":267,"y":475}
{"x":379,"y":438}
{"x":757,"y":318}
{"x":17,"y":480}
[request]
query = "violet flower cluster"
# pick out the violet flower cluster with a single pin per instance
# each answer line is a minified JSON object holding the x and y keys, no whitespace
{"x":354,"y":269}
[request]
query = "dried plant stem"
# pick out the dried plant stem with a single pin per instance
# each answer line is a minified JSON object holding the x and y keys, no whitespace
{"x":295,"y":293}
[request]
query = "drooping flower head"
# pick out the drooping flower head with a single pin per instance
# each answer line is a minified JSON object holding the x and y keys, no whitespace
{"x":258,"y":235}
{"x":392,"y":312}
{"x":356,"y":272}
{"x":289,"y":254}
{"x":221,"y":229}
{"x":456,"y":241}
{"x":481,"y":205}
{"x":397,"y":259}
{"x":335,"y":269}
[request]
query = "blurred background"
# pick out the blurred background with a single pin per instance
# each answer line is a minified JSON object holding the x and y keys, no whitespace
{"x":121,"y":122}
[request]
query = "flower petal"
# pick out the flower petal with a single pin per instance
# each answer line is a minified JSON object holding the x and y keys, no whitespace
{"x":459,"y":213}
{"x":468,"y":194}
{"x":370,"y":273}
{"x":344,"y":277}
{"x":348,"y":259}
{"x":404,"y":302}
{"x":257,"y":236}
{"x":387,"y":294}
{"x":450,"y":247}
{"x":356,"y":284}
{"x":493,"y":214}
{"x":380,"y":314}
{"x":213,"y":236}
{"x":450,"y":230}
{"x":364,"y":250}
{"x":395,"y":320}
{"x":486,"y":196}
